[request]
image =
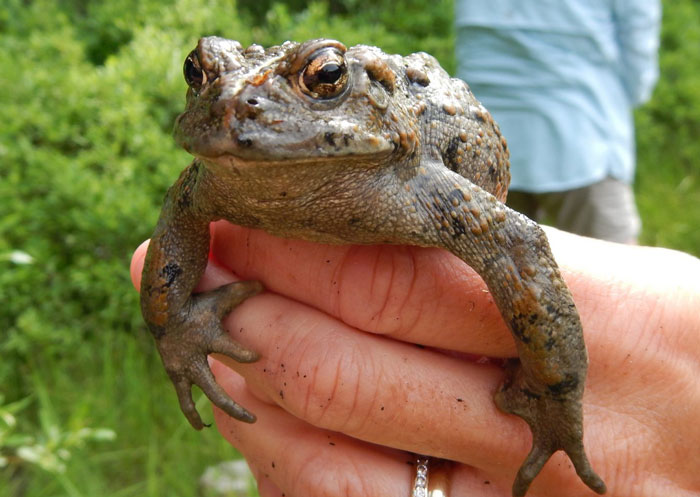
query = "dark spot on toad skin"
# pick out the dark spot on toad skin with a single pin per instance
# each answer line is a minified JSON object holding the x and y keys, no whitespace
{"x":455,"y":195}
{"x":492,"y":172}
{"x":157,"y":330}
{"x":459,"y":226}
{"x":518,"y":329}
{"x":185,"y":198}
{"x":170,"y":272}
{"x":188,"y":183}
{"x":451,"y":153}
{"x":568,"y":384}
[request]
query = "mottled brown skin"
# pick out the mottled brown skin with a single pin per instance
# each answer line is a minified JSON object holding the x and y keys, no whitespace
{"x":334,"y":145}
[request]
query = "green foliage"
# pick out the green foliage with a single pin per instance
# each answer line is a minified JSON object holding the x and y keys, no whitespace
{"x":85,"y":158}
{"x":51,"y":448}
{"x":398,"y":27}
{"x":88,"y":94}
{"x":668,"y":180}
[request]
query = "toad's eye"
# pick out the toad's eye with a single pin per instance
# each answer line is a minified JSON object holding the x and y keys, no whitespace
{"x":325,"y":74}
{"x":192,"y":70}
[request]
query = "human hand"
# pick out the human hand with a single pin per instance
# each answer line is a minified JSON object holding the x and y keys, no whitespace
{"x":342,"y":392}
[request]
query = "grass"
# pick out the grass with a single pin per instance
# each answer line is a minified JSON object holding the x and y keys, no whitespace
{"x":669,"y":204}
{"x":124,"y":387}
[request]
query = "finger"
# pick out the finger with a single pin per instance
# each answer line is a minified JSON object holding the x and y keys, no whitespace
{"x":289,"y":457}
{"x":376,"y":389}
{"x":421,"y":295}
{"x":302,"y":460}
{"x":281,"y":330}
{"x":285,"y":331}
{"x":347,"y":410}
{"x":429,"y":296}
{"x":618,"y":263}
{"x":622,"y":295}
{"x":384,"y":391}
{"x":136,"y":266}
{"x":266,"y":488}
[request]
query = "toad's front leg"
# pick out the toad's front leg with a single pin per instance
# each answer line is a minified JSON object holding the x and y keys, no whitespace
{"x":188,"y":327}
{"x":512,"y":255}
{"x":545,"y":386}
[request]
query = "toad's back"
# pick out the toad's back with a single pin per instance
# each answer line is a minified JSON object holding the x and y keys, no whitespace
{"x":455,"y":127}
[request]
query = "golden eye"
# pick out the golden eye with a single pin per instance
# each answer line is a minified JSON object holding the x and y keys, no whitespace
{"x":194,"y":76}
{"x":325,"y":74}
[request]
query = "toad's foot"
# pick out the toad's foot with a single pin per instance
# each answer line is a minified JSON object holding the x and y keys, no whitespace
{"x":556,"y":422}
{"x":195,"y":332}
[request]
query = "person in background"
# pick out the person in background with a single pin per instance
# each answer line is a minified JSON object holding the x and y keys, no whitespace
{"x":561,"y":77}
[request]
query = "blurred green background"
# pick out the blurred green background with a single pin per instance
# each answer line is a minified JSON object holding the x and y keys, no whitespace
{"x":88,"y":95}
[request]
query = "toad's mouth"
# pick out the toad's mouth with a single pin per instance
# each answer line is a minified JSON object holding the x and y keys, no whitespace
{"x":244,"y":151}
{"x":241,"y":162}
{"x":285,"y":140}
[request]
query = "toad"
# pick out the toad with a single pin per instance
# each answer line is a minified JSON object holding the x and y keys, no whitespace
{"x":319,"y":142}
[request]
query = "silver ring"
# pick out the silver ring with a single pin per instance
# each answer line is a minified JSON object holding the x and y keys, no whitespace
{"x":420,"y":482}
{"x":434,"y":485}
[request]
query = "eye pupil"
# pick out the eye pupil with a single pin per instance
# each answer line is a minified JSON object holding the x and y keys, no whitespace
{"x":194,"y":76}
{"x":330,"y":73}
{"x":325,"y":74}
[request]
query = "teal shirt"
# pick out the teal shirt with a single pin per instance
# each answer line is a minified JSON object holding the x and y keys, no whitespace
{"x":561,"y":77}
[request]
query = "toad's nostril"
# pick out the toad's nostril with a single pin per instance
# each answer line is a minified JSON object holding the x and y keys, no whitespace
{"x":244,"y":142}
{"x":247,"y":108}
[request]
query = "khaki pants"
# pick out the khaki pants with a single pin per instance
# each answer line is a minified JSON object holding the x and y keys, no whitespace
{"x":604,"y":210}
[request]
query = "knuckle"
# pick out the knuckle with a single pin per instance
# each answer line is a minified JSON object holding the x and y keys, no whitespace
{"x":339,"y":388}
{"x":321,"y":371}
{"x":388,"y":279}
{"x":339,"y":477}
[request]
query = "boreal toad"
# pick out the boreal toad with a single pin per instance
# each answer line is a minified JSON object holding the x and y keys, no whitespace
{"x":334,"y":145}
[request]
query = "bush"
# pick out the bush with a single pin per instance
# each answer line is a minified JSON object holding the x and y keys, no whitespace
{"x":668,"y":179}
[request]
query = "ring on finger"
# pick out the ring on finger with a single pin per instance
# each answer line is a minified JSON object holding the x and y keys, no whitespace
{"x":432,"y":477}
